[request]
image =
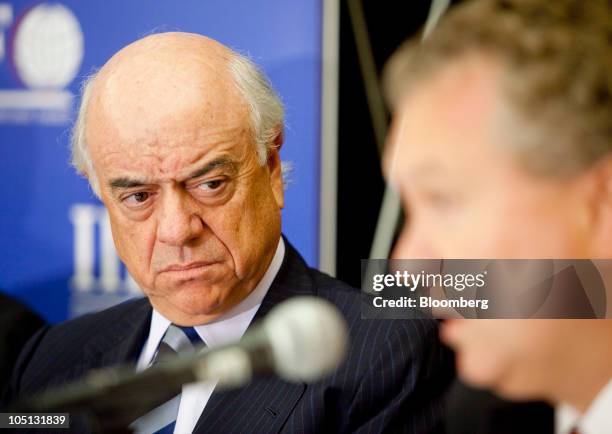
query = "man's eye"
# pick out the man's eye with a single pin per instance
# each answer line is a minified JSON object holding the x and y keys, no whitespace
{"x":211,"y":185}
{"x":137,"y":198}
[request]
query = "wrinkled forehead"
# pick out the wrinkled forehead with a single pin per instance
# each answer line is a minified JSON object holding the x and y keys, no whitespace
{"x":160,"y":92}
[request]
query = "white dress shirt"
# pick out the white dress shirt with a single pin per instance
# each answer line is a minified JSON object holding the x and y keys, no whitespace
{"x":228,"y":328}
{"x":596,"y":420}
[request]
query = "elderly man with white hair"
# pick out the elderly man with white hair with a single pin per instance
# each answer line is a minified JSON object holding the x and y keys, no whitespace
{"x":180,"y":138}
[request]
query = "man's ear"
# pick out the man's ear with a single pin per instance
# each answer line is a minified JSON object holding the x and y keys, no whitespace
{"x":275,"y":168}
{"x":600,"y":203}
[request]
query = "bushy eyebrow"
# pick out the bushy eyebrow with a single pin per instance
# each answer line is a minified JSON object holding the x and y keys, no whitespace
{"x":125,"y":182}
{"x":212,"y":165}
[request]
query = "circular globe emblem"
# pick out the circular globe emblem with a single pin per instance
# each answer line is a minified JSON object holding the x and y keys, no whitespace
{"x":48,"y":46}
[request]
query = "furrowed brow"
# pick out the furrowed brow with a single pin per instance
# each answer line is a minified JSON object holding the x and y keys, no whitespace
{"x":124,"y":183}
{"x":215,"y":164}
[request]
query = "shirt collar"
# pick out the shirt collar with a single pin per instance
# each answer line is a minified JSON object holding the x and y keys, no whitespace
{"x":229,"y":327}
{"x":596,"y":420}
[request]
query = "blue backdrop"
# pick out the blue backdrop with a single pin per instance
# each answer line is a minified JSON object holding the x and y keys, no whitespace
{"x":56,"y":253}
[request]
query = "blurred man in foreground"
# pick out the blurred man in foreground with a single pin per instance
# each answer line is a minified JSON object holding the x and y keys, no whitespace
{"x":180,"y":138}
{"x":502,"y":148}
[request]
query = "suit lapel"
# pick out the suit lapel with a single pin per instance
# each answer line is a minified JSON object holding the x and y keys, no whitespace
{"x":123,"y":342}
{"x":266,"y":403}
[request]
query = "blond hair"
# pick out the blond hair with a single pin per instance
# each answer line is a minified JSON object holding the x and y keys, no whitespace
{"x":557,"y":72}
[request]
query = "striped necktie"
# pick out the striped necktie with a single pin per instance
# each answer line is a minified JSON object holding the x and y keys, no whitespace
{"x":162,"y":419}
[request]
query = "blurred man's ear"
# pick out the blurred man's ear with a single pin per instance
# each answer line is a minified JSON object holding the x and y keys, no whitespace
{"x":600,"y":180}
{"x":275,"y":168}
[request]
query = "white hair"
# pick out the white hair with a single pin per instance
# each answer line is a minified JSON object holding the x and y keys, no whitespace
{"x":266,"y":112}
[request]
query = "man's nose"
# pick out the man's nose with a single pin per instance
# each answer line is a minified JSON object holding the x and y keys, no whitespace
{"x":178,"y":221}
{"x":413,"y":243}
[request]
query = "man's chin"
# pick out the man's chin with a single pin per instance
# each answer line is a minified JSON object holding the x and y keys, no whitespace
{"x":479,"y":372}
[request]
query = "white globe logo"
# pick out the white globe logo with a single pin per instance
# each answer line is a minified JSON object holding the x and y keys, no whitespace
{"x":48,"y":47}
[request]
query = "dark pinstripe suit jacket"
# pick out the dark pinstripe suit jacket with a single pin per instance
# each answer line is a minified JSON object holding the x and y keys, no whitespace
{"x":392,"y":381}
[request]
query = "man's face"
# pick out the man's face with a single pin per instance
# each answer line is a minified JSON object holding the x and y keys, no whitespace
{"x":520,"y":359}
{"x":465,"y":196}
{"x":194,"y":215}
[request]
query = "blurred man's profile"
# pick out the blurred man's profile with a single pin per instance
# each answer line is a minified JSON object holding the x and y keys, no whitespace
{"x":502,"y":148}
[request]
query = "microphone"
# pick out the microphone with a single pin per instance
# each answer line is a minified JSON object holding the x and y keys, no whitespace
{"x":301,"y":340}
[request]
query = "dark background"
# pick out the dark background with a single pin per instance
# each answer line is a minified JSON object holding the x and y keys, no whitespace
{"x":360,"y":182}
